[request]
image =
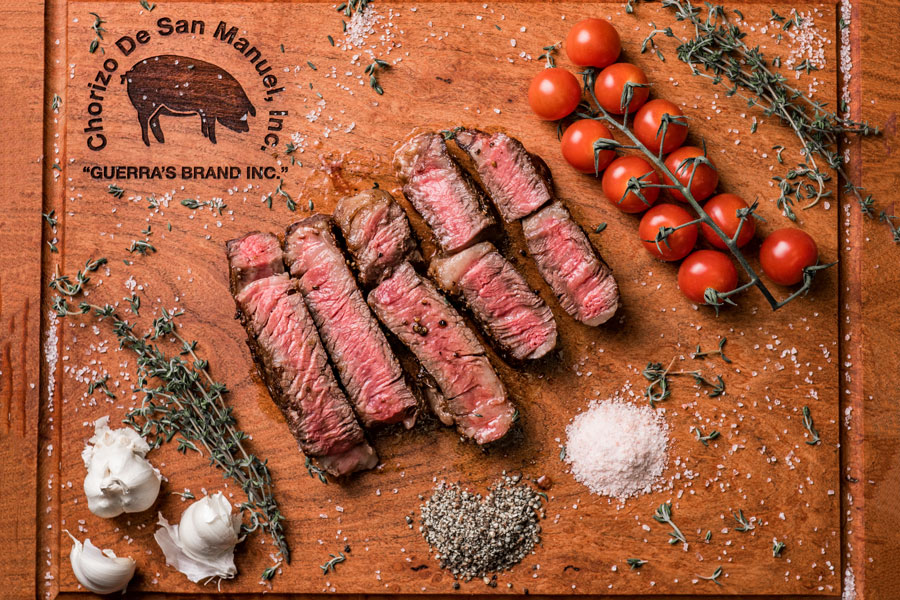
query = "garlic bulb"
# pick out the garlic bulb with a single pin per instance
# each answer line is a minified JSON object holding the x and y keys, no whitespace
{"x":102,"y":572}
{"x":202,"y":545}
{"x":119,"y":479}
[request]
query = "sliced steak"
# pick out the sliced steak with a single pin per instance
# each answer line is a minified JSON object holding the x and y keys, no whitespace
{"x":253,"y":256}
{"x":510,"y":312}
{"x":442,"y":192}
{"x":582,"y":282}
{"x":358,"y":348}
{"x":377,"y":234}
{"x":293,"y":364}
{"x":517,"y":182}
{"x":471,"y":394}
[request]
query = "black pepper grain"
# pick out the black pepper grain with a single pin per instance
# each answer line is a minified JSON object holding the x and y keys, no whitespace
{"x":475,"y":536}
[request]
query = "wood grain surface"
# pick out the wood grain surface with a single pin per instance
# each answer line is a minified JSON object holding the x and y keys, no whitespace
{"x":821,"y":351}
{"x":22,"y":161}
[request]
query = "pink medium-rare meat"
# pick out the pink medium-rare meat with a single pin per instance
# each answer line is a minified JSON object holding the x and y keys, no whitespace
{"x":358,"y":348}
{"x":517,"y":182}
{"x":293,"y":364}
{"x":510,"y":312}
{"x":253,"y":256}
{"x":377,"y":233}
{"x":581,"y":281}
{"x":470,"y":391}
{"x":441,"y":192}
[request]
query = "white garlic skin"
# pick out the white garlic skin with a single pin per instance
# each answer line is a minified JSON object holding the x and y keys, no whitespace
{"x":101,"y":572}
{"x":119,"y":479}
{"x":202,"y":544}
{"x":208,"y":529}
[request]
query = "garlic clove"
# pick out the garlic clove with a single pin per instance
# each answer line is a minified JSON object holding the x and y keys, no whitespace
{"x":208,"y":528}
{"x":119,"y":479}
{"x":101,"y":572}
{"x":202,"y":545}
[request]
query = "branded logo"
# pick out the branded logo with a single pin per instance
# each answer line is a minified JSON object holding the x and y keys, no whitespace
{"x":170,"y":85}
{"x":180,"y":86}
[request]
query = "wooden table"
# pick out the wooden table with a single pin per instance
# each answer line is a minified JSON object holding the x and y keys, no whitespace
{"x":32,"y":68}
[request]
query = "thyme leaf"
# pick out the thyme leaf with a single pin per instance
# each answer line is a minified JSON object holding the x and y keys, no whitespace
{"x":810,"y":427}
{"x":714,"y":577}
{"x":744,"y":523}
{"x":664,"y":515}
{"x":334,"y":561}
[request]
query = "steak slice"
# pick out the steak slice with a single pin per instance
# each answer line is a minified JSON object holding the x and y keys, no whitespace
{"x":471,"y":394}
{"x":518,"y":182}
{"x":253,"y":256}
{"x":377,"y":234}
{"x":512,"y":314}
{"x":442,"y":192}
{"x":358,"y":348}
{"x":582,"y":282}
{"x":292,"y":362}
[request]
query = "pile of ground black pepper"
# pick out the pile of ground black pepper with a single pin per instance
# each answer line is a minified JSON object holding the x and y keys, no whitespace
{"x":474,"y":536}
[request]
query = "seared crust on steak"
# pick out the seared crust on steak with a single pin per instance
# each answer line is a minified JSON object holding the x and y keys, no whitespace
{"x":580,"y":279}
{"x":253,"y":256}
{"x":516,"y":181}
{"x":291,"y":360}
{"x":471,"y":394}
{"x":377,"y":233}
{"x":442,"y":192}
{"x":367,"y":367}
{"x":514,"y":316}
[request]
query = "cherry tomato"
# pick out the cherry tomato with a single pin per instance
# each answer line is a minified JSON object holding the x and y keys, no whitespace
{"x":785,"y":253}
{"x":705,"y":180}
{"x":615,"y":183}
{"x":578,"y":145}
{"x":679,"y":243}
{"x":593,"y":43}
{"x":610,"y":83}
{"x":723,"y":208}
{"x":554,"y":93}
{"x":706,"y":269}
{"x":647,"y":122}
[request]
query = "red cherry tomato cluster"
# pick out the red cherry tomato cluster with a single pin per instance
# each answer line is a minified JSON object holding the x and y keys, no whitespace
{"x":665,"y":230}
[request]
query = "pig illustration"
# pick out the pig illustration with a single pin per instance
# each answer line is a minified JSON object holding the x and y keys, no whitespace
{"x":179,"y":86}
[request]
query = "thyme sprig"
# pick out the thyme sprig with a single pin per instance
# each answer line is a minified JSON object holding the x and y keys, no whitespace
{"x":352,"y":7}
{"x":101,"y":384}
{"x":115,"y":191}
{"x":180,"y":398}
{"x":141,"y":247}
{"x":744,"y":523}
{"x":99,"y":30}
{"x":712,"y":297}
{"x":279,"y":191}
{"x":717,"y":51}
{"x":884,"y":217}
{"x":810,"y":427}
{"x":372,"y":69}
{"x":332,"y":563}
{"x":714,"y":577}
{"x":549,"y":51}
{"x":664,"y":515}
{"x":703,"y":438}
{"x":721,"y":351}
{"x":64,"y":285}
{"x":777,"y":548}
{"x":194,"y":204}
{"x":659,"y":388}
{"x":636,"y":563}
{"x":315,"y":471}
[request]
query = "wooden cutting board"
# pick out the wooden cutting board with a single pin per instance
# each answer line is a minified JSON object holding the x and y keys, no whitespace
{"x":454,"y":63}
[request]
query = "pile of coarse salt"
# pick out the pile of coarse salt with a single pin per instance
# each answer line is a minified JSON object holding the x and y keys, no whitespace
{"x":616,"y":448}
